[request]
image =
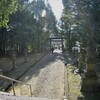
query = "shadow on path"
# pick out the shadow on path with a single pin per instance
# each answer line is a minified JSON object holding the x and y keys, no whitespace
{"x":43,"y":63}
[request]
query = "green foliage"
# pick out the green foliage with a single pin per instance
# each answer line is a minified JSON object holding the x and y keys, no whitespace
{"x":81,"y":17}
{"x":28,"y":29}
{"x":7,"y":7}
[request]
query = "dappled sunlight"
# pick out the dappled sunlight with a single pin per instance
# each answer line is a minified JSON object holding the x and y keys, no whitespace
{"x":35,"y":70}
{"x":50,"y":59}
{"x":27,"y":77}
{"x":48,"y":65}
{"x":19,"y":88}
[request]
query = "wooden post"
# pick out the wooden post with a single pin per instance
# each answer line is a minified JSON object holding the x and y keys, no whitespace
{"x":50,"y":43}
{"x":13,"y":88}
{"x":30,"y":91}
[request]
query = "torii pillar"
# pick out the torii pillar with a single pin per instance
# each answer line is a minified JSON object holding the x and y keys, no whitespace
{"x":50,"y":43}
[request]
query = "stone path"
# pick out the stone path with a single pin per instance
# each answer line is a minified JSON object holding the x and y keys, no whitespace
{"x":46,"y":78}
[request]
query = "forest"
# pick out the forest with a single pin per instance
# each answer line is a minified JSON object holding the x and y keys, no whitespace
{"x":27,"y":26}
{"x":23,"y":26}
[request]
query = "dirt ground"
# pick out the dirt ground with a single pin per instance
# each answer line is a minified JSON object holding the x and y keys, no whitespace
{"x":22,"y":67}
{"x":46,"y":78}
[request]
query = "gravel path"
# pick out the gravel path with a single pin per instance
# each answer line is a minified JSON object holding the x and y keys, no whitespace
{"x":46,"y":78}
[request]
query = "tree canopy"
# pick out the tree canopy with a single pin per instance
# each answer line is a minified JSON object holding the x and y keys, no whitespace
{"x":81,"y":22}
{"x":24,"y":27}
{"x":7,"y":7}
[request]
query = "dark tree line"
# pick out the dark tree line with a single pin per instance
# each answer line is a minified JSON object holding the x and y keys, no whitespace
{"x":24,"y":27}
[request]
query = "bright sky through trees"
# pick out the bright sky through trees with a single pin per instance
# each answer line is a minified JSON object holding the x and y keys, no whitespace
{"x":57,"y":7}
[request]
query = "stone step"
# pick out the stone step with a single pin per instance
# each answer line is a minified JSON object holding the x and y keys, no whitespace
{"x":8,"y":96}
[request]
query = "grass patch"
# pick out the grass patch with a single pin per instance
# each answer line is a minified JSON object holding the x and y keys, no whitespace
{"x":74,"y":84}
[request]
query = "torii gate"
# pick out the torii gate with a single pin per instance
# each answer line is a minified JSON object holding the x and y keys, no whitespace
{"x":62,"y":40}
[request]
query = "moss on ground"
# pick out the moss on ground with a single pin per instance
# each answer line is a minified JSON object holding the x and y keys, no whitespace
{"x":74,"y":92}
{"x":74,"y":84}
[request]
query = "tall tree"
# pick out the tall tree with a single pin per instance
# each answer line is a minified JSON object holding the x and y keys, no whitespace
{"x":84,"y":16}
